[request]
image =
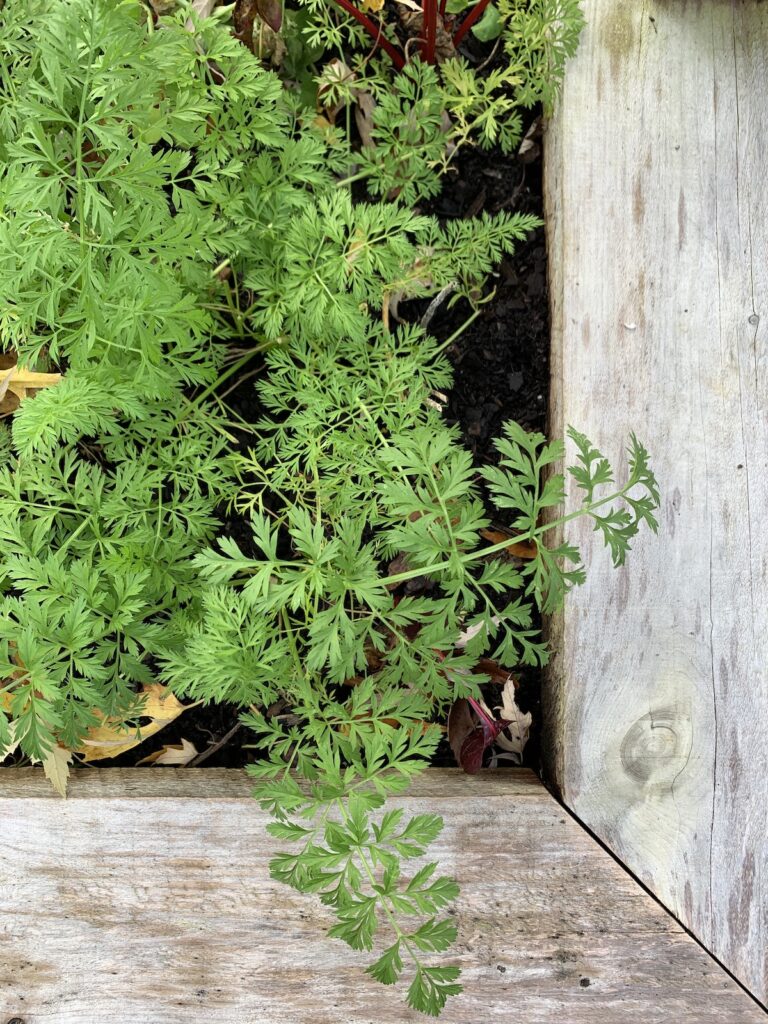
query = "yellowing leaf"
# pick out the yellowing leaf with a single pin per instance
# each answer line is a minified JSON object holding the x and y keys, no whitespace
{"x":19,"y":382}
{"x":112,"y":737}
{"x":56,"y":768}
{"x":372,"y":5}
{"x":174,"y":755}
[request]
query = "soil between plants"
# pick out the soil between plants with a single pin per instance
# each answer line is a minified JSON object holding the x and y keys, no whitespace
{"x":501,"y":372}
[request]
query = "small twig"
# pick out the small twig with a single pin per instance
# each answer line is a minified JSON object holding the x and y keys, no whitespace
{"x":238,"y":382}
{"x":513,"y":198}
{"x":435,"y":304}
{"x":210,"y":751}
{"x":489,"y":58}
{"x":412,"y":41}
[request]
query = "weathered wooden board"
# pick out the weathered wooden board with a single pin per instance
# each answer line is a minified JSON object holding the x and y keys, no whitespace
{"x":145,"y":897}
{"x":656,"y":166}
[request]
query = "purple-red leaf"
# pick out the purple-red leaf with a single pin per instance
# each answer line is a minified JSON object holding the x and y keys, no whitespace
{"x":468,"y":739}
{"x":472,"y":750}
{"x":271,"y":11}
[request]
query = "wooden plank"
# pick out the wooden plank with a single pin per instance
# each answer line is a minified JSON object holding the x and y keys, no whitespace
{"x":657,"y":705}
{"x":137,"y":900}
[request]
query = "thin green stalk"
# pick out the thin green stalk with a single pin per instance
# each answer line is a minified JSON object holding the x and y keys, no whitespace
{"x":458,"y":332}
{"x":528,"y":535}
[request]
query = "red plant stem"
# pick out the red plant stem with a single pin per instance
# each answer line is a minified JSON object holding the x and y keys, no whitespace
{"x":443,"y":5}
{"x":469,"y":21}
{"x":429,"y":11}
{"x":375,"y":32}
{"x":480,"y":712}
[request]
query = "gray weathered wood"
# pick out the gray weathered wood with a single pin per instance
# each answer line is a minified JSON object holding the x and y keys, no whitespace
{"x":656,"y":166}
{"x":145,"y":897}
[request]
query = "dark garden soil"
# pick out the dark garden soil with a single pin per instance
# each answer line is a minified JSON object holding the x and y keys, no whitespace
{"x":501,"y":365}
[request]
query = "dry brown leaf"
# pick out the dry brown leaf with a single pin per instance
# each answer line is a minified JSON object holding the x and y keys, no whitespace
{"x":365,"y":105}
{"x":176,"y":755}
{"x":56,"y":767}
{"x":413,"y":20}
{"x":461,"y":724}
{"x":112,"y":737}
{"x":515,"y":736}
{"x":203,"y":8}
{"x":520,"y":549}
{"x":529,"y":148}
{"x":8,"y":405}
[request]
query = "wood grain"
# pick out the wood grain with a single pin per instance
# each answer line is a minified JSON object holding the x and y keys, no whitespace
{"x":137,"y":901}
{"x":657,"y":703}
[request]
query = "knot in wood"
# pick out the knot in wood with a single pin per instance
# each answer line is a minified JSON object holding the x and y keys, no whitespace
{"x":657,"y":746}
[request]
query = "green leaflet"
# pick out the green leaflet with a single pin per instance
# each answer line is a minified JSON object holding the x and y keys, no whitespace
{"x":539,"y":37}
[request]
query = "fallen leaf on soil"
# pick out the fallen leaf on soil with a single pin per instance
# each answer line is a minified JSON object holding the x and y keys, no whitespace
{"x":460,"y":725}
{"x":175,"y":754}
{"x":413,"y":20}
{"x":496,"y":674}
{"x":521,"y":549}
{"x":16,"y":384}
{"x":112,"y":737}
{"x":243,"y":17}
{"x":515,"y":736}
{"x":365,"y":105}
{"x":56,"y":767}
{"x":12,"y":744}
{"x":529,"y":148}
